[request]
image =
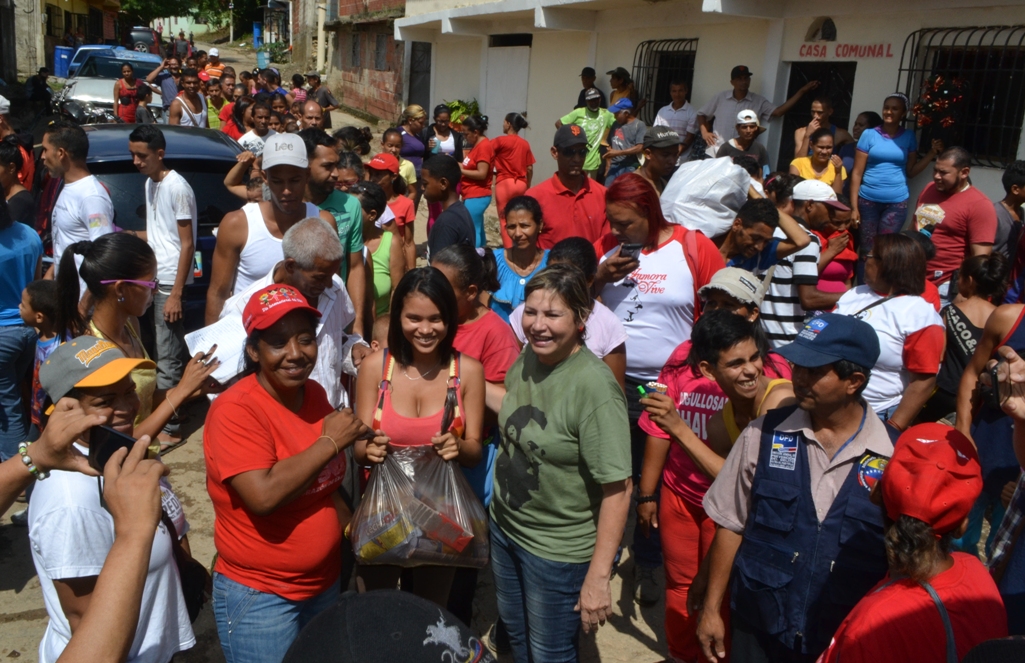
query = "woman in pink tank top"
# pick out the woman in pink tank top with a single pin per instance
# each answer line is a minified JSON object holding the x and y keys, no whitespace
{"x":403,"y":390}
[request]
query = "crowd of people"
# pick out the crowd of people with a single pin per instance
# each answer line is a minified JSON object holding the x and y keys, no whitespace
{"x":811,"y":414}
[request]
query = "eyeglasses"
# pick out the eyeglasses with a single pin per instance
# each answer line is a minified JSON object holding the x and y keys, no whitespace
{"x":152,"y":285}
{"x":582,"y":152}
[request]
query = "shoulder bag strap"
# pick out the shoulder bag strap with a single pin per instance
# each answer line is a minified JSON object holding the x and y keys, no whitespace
{"x":947,"y":627}
{"x":878,"y":302}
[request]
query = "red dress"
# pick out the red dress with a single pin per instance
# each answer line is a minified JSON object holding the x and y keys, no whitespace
{"x":128,"y":101}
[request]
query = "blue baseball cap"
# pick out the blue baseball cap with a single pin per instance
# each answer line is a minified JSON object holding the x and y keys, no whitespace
{"x":621,"y":105}
{"x":830,"y":338}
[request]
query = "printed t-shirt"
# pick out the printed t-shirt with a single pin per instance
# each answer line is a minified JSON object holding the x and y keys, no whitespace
{"x":568,"y":214}
{"x":910,"y":335}
{"x":594,"y":125}
{"x":625,"y":136}
{"x":885,"y":180}
{"x":955,"y":221}
{"x":453,"y":226}
{"x":782,"y":315}
{"x":828,"y":176}
{"x":20,"y":251}
{"x":899,"y":621}
{"x":43,"y":350}
{"x":298,"y":545}
{"x":250,"y":141}
{"x":482,"y":151}
{"x":565,"y":433}
{"x":83,"y":212}
{"x":656,"y":302}
{"x":348,"y":214}
{"x":167,"y":202}
{"x":512,"y":156}
{"x":604,"y":332}
{"x":402,"y":208}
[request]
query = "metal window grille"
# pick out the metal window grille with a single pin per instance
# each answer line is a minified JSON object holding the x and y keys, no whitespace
{"x":54,"y":21}
{"x":381,"y":52}
{"x":991,"y":61}
{"x":656,"y":64}
{"x":357,"y":40}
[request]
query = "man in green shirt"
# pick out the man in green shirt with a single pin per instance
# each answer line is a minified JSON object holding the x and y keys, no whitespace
{"x":346,"y":209}
{"x":596,"y":122}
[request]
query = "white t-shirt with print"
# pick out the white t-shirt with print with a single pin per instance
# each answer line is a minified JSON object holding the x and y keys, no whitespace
{"x":83,"y":211}
{"x":603,"y":330}
{"x":71,"y":535}
{"x":911,"y":338}
{"x":253,"y":143}
{"x":167,"y":202}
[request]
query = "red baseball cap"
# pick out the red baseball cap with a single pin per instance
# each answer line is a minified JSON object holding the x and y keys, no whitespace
{"x":385,"y":161}
{"x":934,"y":476}
{"x":270,"y":304}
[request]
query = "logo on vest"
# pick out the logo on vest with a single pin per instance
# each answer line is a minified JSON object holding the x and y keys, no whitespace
{"x":870,"y":470}
{"x":783,"y":455}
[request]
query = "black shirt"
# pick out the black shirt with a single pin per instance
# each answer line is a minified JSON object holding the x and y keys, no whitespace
{"x":22,"y":208}
{"x":453,"y":226}
{"x":581,"y":102}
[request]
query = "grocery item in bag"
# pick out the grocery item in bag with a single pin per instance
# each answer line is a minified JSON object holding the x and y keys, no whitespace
{"x":706,"y":195}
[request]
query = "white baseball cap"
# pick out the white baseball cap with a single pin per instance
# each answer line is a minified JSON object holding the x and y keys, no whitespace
{"x":5,"y":106}
{"x":819,"y":192}
{"x":284,"y":150}
{"x":748,"y":117}
{"x":214,"y":53}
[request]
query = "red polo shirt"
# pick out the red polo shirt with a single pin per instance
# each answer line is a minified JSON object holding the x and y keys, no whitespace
{"x":570,"y":215}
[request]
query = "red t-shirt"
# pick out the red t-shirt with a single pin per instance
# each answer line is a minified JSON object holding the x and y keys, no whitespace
{"x":482,"y":151}
{"x":294,"y":552}
{"x":902,"y":623}
{"x":491,"y":342}
{"x":932,"y":295}
{"x":568,"y":214}
{"x":956,"y":222}
{"x":512,"y":156}
{"x":402,"y":208}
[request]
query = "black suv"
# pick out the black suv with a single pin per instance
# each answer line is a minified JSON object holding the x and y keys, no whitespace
{"x":144,"y":39}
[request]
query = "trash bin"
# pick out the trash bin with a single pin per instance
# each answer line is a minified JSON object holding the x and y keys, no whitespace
{"x":257,"y":34}
{"x":61,"y":59}
{"x":262,"y":59}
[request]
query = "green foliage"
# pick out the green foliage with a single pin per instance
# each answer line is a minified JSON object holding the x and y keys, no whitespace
{"x":145,"y":11}
{"x":279,"y":51}
{"x":460,"y":109}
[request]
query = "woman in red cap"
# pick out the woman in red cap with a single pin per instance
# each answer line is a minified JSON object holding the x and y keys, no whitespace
{"x":273,"y":447}
{"x":933,"y":605}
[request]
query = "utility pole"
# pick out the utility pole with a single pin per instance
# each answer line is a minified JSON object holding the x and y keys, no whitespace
{"x":231,"y":22}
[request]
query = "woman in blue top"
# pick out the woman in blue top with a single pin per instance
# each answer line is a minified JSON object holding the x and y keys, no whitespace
{"x":886,"y":158}
{"x":518,"y":263}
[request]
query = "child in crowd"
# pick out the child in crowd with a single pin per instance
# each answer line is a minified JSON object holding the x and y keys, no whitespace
{"x":38,"y":310}
{"x":391,"y":141}
{"x":383,"y":170}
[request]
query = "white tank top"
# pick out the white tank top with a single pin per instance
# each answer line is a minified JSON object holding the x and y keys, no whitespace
{"x":190,"y":119}
{"x":262,"y":250}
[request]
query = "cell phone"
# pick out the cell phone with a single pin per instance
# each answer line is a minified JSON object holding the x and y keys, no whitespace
{"x":630,"y":250}
{"x":994,"y":395}
{"x":104,"y":441}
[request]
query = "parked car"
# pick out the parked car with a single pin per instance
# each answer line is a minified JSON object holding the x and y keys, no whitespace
{"x":203,"y":157}
{"x":88,"y":97}
{"x":144,"y":39}
{"x":83,"y":52}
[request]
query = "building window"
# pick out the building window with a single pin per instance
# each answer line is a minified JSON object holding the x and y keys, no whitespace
{"x":381,"y":52}
{"x":510,"y":40}
{"x":54,"y":21}
{"x":658,"y":63}
{"x":357,"y":41}
{"x":985,"y":66}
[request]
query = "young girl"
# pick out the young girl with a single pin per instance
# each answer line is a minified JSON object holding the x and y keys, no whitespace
{"x":391,"y":142}
{"x":298,"y":92}
{"x":382,"y":250}
{"x":514,"y":167}
{"x":383,"y":170}
{"x":403,"y":390}
{"x":518,"y":263}
{"x":476,"y":168}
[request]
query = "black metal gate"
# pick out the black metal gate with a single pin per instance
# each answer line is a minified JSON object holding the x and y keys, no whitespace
{"x":987,"y":65}
{"x":420,"y":74}
{"x":836,"y":82}
{"x":8,"y":43}
{"x":656,"y":64}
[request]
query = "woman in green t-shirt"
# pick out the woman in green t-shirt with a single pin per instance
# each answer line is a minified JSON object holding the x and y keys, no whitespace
{"x":562,"y":476}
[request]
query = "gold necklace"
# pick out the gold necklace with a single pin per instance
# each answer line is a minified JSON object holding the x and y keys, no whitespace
{"x":405,"y":371}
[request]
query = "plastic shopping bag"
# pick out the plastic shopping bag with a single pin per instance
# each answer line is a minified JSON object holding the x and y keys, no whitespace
{"x":419,"y":509}
{"x":706,"y":195}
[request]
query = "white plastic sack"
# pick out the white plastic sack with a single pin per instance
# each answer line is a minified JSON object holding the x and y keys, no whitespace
{"x":706,"y":195}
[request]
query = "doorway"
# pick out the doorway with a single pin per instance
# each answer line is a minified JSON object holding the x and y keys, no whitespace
{"x":836,"y":82}
{"x":420,"y":74}
{"x":507,"y":78}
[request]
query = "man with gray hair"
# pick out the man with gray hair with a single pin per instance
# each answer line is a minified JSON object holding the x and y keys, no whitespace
{"x":312,"y":258}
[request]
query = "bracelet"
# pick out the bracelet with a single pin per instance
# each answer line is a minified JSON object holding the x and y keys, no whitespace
{"x":172,"y":406}
{"x":645,"y":499}
{"x":890,"y":422}
{"x":33,"y":470}
{"x":328,"y":437}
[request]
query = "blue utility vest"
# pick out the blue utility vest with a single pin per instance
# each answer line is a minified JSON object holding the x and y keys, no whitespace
{"x":793,"y":577}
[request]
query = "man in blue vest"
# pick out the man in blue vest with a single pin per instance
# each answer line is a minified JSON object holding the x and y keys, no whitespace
{"x":796,"y":527}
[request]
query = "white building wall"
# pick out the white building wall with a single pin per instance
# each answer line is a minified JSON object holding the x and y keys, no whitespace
{"x":457,"y":64}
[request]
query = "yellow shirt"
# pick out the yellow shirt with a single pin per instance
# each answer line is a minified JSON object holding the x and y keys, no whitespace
{"x":732,"y":429}
{"x":804,"y":169}
{"x":407,"y":171}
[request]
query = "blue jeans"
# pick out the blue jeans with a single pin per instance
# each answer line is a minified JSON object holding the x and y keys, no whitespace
{"x":536,"y":597}
{"x":255,"y":627}
{"x":17,"y":356}
{"x":880,"y":219}
{"x":647,"y":549}
{"x":615,"y":170}
{"x":476,"y":207}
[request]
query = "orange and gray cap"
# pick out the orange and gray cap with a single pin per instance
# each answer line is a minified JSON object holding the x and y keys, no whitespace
{"x":86,"y":361}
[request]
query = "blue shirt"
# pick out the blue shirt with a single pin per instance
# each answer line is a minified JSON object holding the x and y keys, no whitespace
{"x":168,"y":88}
{"x":511,"y":285}
{"x":759,"y":262}
{"x":20,"y":250}
{"x":885,"y":180}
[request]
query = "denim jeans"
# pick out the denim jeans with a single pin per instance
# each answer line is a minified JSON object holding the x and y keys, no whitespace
{"x":647,"y":549}
{"x":17,"y":356}
{"x":880,"y":219}
{"x":255,"y":627}
{"x":536,"y":597}
{"x":172,"y":352}
{"x":615,"y":170}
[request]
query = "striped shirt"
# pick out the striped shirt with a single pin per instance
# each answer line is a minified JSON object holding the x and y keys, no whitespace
{"x":782,"y":314}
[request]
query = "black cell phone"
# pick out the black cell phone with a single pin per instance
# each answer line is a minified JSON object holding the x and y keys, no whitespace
{"x":630,"y":250}
{"x":995,"y":398}
{"x":103,"y":442}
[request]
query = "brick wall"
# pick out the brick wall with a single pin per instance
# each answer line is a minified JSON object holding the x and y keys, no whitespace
{"x":364,"y":7}
{"x":373,"y":84}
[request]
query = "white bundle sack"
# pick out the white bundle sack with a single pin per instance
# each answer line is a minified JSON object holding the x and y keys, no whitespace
{"x":706,"y":195}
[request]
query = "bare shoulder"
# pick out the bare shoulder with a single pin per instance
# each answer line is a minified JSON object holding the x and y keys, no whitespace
{"x":1001,"y":321}
{"x":782,"y":395}
{"x":470,"y":369}
{"x":371,"y":366}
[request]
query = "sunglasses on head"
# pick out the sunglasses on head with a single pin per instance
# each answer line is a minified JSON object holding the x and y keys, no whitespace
{"x":152,"y":285}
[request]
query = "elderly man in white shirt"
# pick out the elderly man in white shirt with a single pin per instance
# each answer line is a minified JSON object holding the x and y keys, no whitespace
{"x":312,"y":257}
{"x":681,"y":117}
